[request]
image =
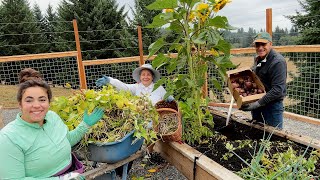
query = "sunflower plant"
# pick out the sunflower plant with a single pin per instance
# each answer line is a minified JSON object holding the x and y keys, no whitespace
{"x":199,"y":44}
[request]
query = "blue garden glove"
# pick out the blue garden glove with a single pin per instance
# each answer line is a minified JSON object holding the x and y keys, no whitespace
{"x":250,"y":107}
{"x":94,"y":117}
{"x":169,"y":99}
{"x":103,"y":81}
{"x":71,"y":176}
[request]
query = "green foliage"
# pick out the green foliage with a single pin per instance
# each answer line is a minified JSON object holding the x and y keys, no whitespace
{"x":123,"y":113}
{"x":102,"y":28}
{"x":199,"y":28}
{"x":306,"y":23}
{"x":284,"y":165}
{"x":143,"y":17}
{"x":16,"y":17}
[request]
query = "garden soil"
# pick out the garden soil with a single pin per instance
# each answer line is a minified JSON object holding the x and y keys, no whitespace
{"x":236,"y":134}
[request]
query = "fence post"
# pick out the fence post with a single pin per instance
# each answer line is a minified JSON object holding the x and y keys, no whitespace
{"x":83,"y":82}
{"x":269,"y":21}
{"x":141,"y":61}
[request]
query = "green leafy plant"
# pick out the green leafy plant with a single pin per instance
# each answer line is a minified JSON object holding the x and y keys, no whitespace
{"x":231,"y":148}
{"x":123,"y":114}
{"x":198,"y":45}
{"x":282,"y":165}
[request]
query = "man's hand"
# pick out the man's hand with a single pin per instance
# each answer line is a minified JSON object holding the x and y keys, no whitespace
{"x":94,"y":117}
{"x":103,"y":81}
{"x":169,"y":99}
{"x":250,"y":107}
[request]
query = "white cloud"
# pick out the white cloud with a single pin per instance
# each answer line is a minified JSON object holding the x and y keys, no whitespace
{"x":43,"y":4}
{"x":240,"y":13}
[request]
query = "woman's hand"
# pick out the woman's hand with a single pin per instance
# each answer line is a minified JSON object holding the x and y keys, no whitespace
{"x":94,"y":117}
{"x":103,"y":81}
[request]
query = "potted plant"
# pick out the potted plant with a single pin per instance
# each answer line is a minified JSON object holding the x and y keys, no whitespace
{"x":121,"y":131}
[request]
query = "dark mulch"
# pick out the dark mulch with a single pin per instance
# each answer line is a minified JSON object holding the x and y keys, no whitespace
{"x":236,"y":134}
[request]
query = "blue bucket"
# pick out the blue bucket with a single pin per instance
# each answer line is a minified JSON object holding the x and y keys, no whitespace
{"x":113,"y":152}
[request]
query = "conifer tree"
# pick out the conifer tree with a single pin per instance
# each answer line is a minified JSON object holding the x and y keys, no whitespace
{"x":143,"y":17}
{"x":51,"y":30}
{"x":18,"y":28}
{"x":41,"y":26}
{"x":102,"y":28}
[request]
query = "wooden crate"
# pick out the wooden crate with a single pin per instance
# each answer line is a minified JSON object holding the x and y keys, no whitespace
{"x":245,"y":71}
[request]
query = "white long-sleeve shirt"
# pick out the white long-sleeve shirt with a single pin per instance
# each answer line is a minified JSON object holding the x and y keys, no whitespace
{"x":139,"y":90}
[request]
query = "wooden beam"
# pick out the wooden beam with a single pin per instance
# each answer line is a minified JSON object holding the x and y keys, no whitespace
{"x":141,"y":60}
{"x":182,"y":157}
{"x":301,"y":118}
{"x":302,"y":139}
{"x":111,"y":61}
{"x":38,"y":56}
{"x":243,"y":50}
{"x":115,"y":60}
{"x":81,"y":71}
{"x":269,"y":21}
{"x":297,"y":48}
{"x":288,"y":115}
{"x":282,"y":49}
{"x":104,"y":168}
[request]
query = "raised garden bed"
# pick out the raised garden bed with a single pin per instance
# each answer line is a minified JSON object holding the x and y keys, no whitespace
{"x":209,"y":160}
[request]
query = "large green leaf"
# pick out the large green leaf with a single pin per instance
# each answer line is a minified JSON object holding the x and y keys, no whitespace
{"x":220,"y":22}
{"x":158,"y":21}
{"x":176,"y":26}
{"x":224,"y":46}
{"x":172,"y":66}
{"x":163,"y":4}
{"x":154,"y":47}
{"x":159,"y":83}
{"x":225,"y":62}
{"x":159,"y":60}
{"x":213,"y":36}
{"x":216,"y":83}
{"x":201,"y":38}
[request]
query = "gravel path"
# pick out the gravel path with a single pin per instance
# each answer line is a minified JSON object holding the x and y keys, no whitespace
{"x":165,"y":171}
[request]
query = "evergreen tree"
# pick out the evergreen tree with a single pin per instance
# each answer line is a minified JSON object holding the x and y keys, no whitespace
{"x":144,"y":17}
{"x":308,"y":22}
{"x":18,"y":28}
{"x":306,"y":86}
{"x":51,"y":30}
{"x":102,"y":28}
{"x":41,"y":26}
{"x":250,"y":36}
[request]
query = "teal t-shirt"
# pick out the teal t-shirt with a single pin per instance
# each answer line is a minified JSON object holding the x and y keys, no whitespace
{"x":30,"y":151}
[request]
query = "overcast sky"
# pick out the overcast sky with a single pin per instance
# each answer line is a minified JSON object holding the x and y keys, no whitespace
{"x":240,"y":13}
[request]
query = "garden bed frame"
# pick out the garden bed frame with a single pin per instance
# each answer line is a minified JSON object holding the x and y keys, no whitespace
{"x":194,"y":165}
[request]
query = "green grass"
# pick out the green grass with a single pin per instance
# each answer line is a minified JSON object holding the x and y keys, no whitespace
{"x":8,"y":95}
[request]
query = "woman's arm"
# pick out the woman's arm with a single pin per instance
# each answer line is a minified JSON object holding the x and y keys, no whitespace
{"x":12,"y":161}
{"x":123,"y":86}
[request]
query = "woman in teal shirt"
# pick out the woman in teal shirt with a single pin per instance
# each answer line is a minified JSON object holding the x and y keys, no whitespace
{"x":37,"y":144}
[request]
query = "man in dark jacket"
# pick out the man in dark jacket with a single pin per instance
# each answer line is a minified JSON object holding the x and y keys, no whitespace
{"x":271,"y":68}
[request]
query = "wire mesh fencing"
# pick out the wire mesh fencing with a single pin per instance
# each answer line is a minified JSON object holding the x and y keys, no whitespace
{"x":55,"y":71}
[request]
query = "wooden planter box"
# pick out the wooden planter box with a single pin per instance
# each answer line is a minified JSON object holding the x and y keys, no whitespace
{"x":182,"y":156}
